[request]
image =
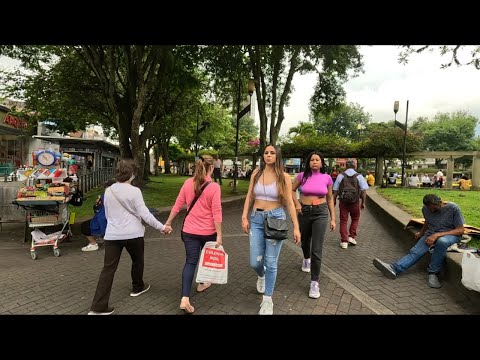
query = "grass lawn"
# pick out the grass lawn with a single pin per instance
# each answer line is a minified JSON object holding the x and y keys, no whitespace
{"x":161,"y":191}
{"x":410,"y":200}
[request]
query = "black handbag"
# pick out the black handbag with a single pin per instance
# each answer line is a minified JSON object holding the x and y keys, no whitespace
{"x":276,"y":229}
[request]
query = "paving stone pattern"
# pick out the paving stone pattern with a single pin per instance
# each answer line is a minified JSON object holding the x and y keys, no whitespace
{"x":349,"y":283}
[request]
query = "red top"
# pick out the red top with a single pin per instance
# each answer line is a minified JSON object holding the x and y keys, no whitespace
{"x":206,"y":211}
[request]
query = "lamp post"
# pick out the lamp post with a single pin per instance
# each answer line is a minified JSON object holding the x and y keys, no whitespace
{"x":359,"y":129}
{"x":240,"y":114}
{"x":404,"y":127}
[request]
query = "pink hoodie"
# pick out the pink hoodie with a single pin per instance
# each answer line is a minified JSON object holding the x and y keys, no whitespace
{"x":206,"y":211}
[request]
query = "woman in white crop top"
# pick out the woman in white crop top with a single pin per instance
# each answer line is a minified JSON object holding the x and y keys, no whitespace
{"x":270,"y":193}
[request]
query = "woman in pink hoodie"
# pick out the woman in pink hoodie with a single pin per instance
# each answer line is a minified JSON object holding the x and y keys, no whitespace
{"x":202,"y":223}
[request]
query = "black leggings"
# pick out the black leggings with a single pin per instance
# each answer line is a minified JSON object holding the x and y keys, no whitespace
{"x":193,"y":246}
{"x":313,"y":226}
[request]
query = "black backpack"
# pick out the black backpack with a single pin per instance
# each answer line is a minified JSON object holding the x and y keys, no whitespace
{"x":77,"y":198}
{"x":349,"y":189}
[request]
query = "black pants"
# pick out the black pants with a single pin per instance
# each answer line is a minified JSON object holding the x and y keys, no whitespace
{"x":313,"y":226}
{"x":193,"y":247}
{"x":113,"y":251}
{"x":217,"y":175}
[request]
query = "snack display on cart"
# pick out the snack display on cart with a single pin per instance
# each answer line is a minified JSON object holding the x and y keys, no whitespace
{"x":45,"y":200}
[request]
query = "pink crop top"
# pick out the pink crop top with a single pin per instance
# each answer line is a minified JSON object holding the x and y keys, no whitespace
{"x":266,"y":192}
{"x":316,"y":184}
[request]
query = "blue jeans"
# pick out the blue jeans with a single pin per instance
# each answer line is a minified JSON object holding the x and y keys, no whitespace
{"x":193,"y":247}
{"x":420,"y":249}
{"x":264,"y":252}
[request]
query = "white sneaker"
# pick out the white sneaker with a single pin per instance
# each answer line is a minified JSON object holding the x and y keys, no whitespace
{"x":314,"y":292}
{"x":352,"y":241}
{"x":266,"y":307}
{"x":306,"y":265}
{"x":261,"y":284}
{"x":344,"y":245}
{"x":90,"y":247}
{"x":106,"y":312}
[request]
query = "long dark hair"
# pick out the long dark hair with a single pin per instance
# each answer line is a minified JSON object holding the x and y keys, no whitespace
{"x":307,"y":172}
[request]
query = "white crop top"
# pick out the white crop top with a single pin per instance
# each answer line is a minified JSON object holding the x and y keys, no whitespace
{"x":266,"y":192}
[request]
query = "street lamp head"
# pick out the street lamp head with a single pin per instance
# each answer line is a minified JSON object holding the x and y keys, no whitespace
{"x":359,"y":127}
{"x":251,"y":86}
{"x":395,"y":107}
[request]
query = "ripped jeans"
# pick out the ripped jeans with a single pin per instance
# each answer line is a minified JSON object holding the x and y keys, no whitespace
{"x":264,"y":252}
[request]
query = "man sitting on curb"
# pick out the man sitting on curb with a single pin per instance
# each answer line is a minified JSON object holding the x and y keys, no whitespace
{"x":443,"y":227}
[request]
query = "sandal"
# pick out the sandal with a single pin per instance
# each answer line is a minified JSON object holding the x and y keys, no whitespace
{"x":187,"y":309}
{"x":203,"y":286}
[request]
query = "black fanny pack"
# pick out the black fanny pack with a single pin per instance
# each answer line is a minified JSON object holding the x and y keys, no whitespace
{"x":276,"y":229}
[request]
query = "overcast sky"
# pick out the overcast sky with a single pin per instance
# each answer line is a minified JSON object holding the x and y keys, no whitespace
{"x":428,"y":88}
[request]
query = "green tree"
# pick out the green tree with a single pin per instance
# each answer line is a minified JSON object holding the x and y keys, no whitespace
{"x":447,"y":131}
{"x":273,"y":68}
{"x":128,"y":82}
{"x":65,"y":94}
{"x":342,"y":121}
{"x":303,"y":129}
{"x":458,"y":54}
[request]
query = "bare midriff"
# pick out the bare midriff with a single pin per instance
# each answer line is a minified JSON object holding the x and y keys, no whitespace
{"x":266,"y":205}
{"x":312,"y":200}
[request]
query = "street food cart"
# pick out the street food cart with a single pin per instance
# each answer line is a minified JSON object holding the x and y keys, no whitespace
{"x":45,"y":201}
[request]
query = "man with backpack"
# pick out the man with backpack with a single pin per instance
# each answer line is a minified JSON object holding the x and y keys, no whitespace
{"x":350,"y":187}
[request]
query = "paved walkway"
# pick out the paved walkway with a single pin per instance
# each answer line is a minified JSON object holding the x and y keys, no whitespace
{"x":349,"y":283}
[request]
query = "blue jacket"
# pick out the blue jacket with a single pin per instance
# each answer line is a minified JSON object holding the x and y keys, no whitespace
{"x":98,"y":224}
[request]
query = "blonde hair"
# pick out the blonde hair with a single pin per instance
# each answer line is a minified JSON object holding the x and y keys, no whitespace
{"x":202,"y":166}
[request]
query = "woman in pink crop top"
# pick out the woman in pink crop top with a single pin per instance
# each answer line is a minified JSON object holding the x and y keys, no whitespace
{"x":316,"y":202}
{"x":270,"y":194}
{"x":203,"y":223}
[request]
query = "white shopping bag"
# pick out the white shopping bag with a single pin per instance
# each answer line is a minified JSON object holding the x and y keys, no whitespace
{"x":213,"y":265}
{"x":471,"y":271}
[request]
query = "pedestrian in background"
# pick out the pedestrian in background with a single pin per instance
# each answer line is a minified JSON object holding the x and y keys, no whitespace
{"x":316,"y":202}
{"x":217,"y":166}
{"x":270,"y":193}
{"x":202,"y":223}
{"x":370,"y":178}
{"x":124,"y":209}
{"x":96,"y":226}
{"x":349,"y":235}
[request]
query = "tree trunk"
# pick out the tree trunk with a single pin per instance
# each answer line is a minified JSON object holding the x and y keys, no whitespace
{"x":156,"y":156}
{"x":147,"y":161}
{"x":166,"y":158}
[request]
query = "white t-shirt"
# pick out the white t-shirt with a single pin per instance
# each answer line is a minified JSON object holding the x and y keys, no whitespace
{"x":124,"y":211}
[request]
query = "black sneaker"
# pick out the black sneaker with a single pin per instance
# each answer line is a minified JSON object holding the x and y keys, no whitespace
{"x":106,"y":312}
{"x":146,"y":286}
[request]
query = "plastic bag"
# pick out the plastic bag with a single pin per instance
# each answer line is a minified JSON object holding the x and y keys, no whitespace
{"x":39,"y":237}
{"x":471,"y":271}
{"x":213,"y":265}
